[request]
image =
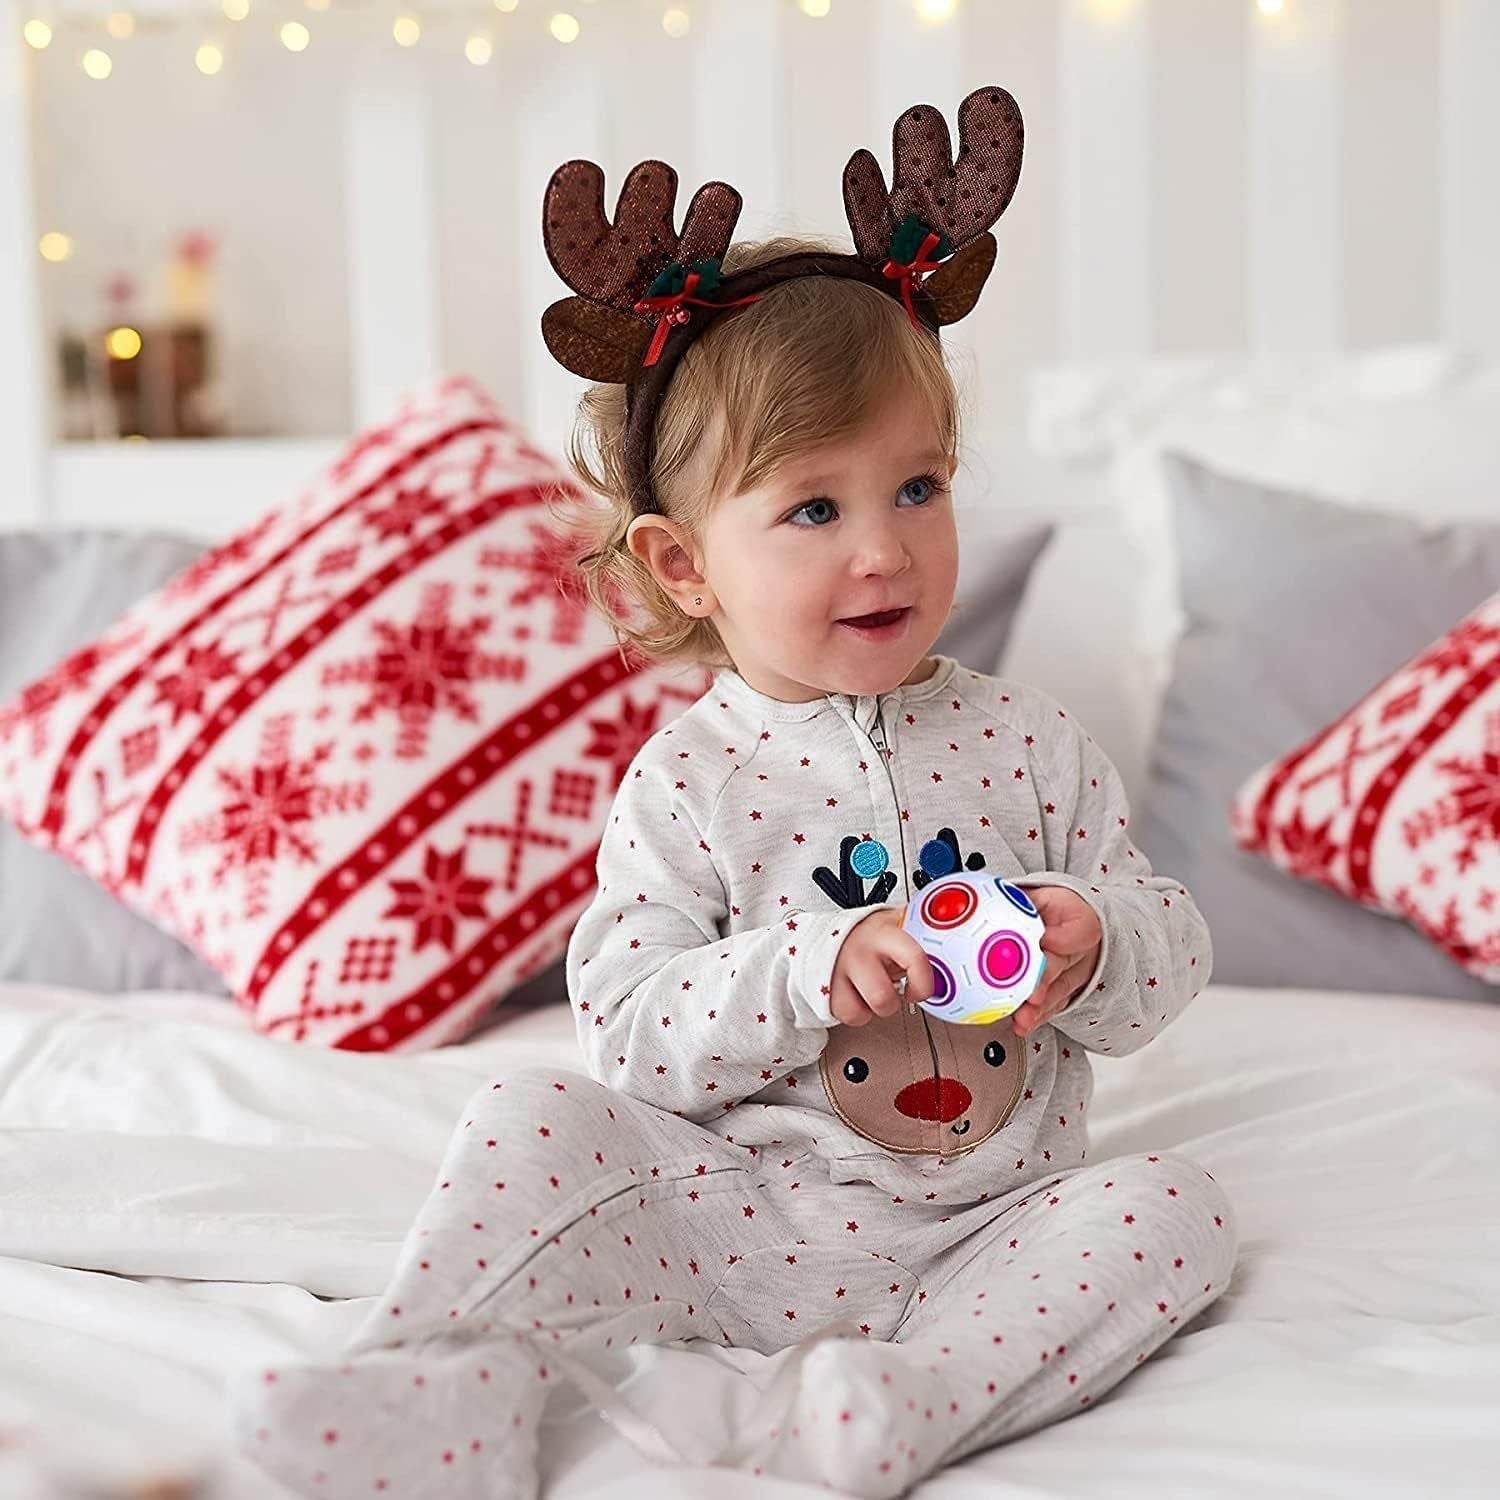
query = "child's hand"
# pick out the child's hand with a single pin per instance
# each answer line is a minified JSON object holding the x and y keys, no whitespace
{"x":873,"y":957}
{"x":1071,"y":942}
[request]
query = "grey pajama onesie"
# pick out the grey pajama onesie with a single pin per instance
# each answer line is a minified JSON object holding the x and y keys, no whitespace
{"x":740,"y":1168}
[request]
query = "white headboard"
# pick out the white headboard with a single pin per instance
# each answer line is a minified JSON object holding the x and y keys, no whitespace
{"x":1217,"y":175}
{"x":1226,"y":177}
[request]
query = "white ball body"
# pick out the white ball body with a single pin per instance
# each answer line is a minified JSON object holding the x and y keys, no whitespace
{"x":984,"y":938}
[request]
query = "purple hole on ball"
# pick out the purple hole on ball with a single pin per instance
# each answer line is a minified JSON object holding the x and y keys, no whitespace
{"x":943,"y":987}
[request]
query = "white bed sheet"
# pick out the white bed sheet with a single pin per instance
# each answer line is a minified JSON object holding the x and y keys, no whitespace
{"x":179,"y":1197}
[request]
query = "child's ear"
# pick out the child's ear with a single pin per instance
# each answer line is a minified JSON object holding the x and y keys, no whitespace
{"x":667,"y":551}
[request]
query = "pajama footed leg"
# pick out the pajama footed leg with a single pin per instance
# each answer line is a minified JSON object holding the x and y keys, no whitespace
{"x":1032,"y":1318}
{"x":866,"y":1418}
{"x":565,"y":1219}
{"x":452,"y":1422}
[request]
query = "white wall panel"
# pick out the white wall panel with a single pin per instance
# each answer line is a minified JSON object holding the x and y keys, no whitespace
{"x":25,"y":371}
{"x":1105,"y":177}
{"x":395,"y":326}
{"x":1469,"y":172}
{"x":1296,"y":234}
{"x":1198,"y":255}
{"x":1389,"y":190}
{"x":1018,"y":322}
{"x":1200,"y":175}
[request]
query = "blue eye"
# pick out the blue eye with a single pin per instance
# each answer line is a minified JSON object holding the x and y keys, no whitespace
{"x":918,"y":491}
{"x":819,"y":512}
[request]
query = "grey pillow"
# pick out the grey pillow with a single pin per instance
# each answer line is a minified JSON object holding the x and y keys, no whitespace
{"x":58,"y":591}
{"x":993,"y":567}
{"x":1296,"y":607}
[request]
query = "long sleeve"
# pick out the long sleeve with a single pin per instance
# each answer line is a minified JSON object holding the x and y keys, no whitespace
{"x":668,"y":1009}
{"x":1156,"y":954}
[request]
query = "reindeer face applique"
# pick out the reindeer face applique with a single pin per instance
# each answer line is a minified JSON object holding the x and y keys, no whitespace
{"x":910,"y":1083}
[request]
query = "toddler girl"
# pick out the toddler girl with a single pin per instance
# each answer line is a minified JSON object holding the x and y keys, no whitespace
{"x":774,"y":1147}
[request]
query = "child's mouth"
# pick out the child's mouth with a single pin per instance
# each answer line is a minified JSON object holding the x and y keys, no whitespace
{"x":882,"y":625}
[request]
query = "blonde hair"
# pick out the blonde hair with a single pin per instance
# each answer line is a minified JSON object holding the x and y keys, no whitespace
{"x":807,"y":364}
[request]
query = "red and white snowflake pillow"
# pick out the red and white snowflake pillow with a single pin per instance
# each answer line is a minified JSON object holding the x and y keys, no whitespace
{"x":357,"y":757}
{"x":1397,"y":803}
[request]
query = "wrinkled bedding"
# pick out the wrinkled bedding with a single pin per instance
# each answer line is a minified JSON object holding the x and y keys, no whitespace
{"x":180,"y":1197}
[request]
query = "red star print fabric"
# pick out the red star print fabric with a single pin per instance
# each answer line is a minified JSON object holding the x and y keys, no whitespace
{"x":1396,"y":804}
{"x":356,"y":757}
{"x":570,"y":1221}
{"x":700,"y":972}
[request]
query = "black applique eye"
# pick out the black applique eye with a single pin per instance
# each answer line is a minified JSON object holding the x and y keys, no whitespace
{"x":994,"y":1054}
{"x":856,"y":1070}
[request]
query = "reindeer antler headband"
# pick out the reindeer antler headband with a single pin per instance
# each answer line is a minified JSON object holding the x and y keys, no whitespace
{"x":645,"y":292}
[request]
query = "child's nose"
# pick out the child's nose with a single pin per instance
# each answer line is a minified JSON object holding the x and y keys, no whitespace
{"x":883,"y":554}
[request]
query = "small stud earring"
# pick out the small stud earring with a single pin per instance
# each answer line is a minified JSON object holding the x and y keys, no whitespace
{"x":699,"y":599}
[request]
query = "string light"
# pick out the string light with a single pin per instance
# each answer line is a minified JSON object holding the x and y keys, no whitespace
{"x":935,"y":10}
{"x":817,"y":9}
{"x":236,"y":10}
{"x":506,"y":6}
{"x":55,"y":246}
{"x":38,"y":34}
{"x":564,"y":27}
{"x":1270,"y":7}
{"x":295,"y":36}
{"x":120,"y":24}
{"x":319,"y":5}
{"x":479,"y":50}
{"x":122,"y":343}
{"x":676,"y":22}
{"x":97,"y":64}
{"x":209,"y":60}
{"x":407,"y":31}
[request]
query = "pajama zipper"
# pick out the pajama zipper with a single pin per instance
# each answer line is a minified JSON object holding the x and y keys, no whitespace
{"x":878,"y":740}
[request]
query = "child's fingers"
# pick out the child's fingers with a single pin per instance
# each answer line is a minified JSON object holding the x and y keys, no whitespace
{"x":1070,"y":924}
{"x":1050,"y":997}
{"x":908,"y":957}
{"x":874,"y":982}
{"x":844,"y":1002}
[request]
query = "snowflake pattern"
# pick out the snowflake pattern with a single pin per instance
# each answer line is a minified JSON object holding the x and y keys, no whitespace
{"x":422,"y":668}
{"x":75,"y":674}
{"x":445,"y":896}
{"x":268,"y":811}
{"x":617,"y":741}
{"x":547,"y":571}
{"x":186,"y":689}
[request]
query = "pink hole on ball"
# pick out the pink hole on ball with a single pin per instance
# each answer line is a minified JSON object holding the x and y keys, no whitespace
{"x":1002,"y":959}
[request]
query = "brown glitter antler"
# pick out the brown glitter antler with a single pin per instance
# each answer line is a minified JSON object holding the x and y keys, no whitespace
{"x":602,"y":334}
{"x":956,"y":199}
{"x":925,"y":240}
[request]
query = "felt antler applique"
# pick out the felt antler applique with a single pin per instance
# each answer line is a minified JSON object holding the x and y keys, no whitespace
{"x":847,"y":888}
{"x":941,"y":856}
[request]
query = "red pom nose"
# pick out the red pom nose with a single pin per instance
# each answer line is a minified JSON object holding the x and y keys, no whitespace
{"x":934,"y":1099}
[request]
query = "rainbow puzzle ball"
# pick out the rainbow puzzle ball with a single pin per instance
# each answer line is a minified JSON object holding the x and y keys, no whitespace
{"x":984,"y":938}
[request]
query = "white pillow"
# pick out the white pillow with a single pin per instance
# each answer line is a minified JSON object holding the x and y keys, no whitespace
{"x":1408,"y":430}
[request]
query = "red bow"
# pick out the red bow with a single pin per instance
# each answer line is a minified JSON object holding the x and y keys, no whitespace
{"x":673,"y":309}
{"x":907,"y":274}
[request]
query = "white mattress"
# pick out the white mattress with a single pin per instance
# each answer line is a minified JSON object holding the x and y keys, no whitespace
{"x":179,"y":1196}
